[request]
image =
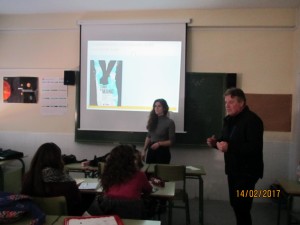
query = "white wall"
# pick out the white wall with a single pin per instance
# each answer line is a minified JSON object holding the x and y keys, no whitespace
{"x":260,"y":45}
{"x":294,"y":157}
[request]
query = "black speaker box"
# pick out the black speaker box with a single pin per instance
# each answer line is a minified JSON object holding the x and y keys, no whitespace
{"x":231,"y":80}
{"x":69,"y":77}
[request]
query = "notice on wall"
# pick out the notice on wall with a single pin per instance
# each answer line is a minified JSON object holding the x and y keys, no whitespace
{"x":275,"y":110}
{"x":53,"y":96}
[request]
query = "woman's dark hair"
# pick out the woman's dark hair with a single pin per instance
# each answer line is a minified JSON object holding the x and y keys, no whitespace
{"x":153,"y":118}
{"x":47,"y":155}
{"x":236,"y":92}
{"x":120,"y":166}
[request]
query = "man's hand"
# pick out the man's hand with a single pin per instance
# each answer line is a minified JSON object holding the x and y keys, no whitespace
{"x":222,"y":146}
{"x":211,"y":141}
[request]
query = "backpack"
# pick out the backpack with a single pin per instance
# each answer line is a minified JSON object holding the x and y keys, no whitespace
{"x":10,"y":154}
{"x":97,"y":160}
{"x":14,"y":207}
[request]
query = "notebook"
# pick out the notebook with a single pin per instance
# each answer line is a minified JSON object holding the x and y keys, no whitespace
{"x":192,"y":168}
{"x":88,"y":185}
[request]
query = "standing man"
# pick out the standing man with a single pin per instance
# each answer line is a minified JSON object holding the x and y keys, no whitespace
{"x":242,"y":144}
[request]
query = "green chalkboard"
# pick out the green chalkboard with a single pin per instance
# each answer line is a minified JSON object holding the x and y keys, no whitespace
{"x":204,"y":112}
{"x":204,"y":106}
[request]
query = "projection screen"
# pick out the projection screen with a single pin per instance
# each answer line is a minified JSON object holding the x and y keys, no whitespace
{"x":124,"y":67}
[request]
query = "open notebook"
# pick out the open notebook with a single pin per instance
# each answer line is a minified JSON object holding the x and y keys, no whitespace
{"x":88,"y":185}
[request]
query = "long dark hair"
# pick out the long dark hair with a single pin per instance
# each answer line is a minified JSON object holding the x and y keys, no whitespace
{"x":47,"y":155}
{"x":120,"y":166}
{"x":153,"y":118}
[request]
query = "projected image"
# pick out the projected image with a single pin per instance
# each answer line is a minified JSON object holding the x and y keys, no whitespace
{"x":128,"y":75}
{"x":107,"y":77}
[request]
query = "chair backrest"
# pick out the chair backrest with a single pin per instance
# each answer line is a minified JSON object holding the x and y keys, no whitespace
{"x":169,"y":172}
{"x":128,"y":209}
{"x":52,"y":205}
{"x":101,"y":166}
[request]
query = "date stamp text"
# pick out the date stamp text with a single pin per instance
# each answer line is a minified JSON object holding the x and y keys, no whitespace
{"x":264,"y":193}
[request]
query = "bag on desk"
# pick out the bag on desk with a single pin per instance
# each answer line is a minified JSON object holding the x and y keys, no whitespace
{"x":68,"y":159}
{"x":97,"y":160}
{"x":157,"y":181}
{"x":10,"y":154}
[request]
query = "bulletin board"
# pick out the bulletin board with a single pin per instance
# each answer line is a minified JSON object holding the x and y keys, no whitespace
{"x":274,"y":109}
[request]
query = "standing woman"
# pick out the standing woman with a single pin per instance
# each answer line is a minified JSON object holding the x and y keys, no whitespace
{"x":161,"y":134}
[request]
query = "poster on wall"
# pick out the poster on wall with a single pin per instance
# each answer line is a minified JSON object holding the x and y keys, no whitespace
{"x":20,"y":89}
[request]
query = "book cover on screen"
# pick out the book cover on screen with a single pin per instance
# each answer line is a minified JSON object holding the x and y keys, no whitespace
{"x":107,"y":77}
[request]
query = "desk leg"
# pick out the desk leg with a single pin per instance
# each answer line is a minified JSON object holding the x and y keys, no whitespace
{"x":170,"y":212}
{"x":279,"y":211}
{"x":201,"y":197}
{"x":23,"y":166}
{"x":289,"y":208}
{"x":1,"y":179}
{"x":90,"y":174}
{"x":201,"y":208}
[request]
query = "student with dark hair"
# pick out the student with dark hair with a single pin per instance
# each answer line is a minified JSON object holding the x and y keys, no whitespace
{"x":161,"y":134}
{"x":242,"y":144}
{"x":121,"y":178}
{"x":46,"y":178}
{"x":123,"y":186}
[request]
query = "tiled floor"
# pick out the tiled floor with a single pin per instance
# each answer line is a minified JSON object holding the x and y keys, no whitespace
{"x":220,"y":213}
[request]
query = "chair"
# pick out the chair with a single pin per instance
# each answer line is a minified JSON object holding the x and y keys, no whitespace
{"x":101,"y":166}
{"x":125,"y":209}
{"x":175,"y":173}
{"x":293,"y":214}
{"x":52,"y":205}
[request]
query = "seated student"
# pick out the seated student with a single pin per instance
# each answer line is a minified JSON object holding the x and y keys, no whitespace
{"x":46,"y":178}
{"x":123,"y":186}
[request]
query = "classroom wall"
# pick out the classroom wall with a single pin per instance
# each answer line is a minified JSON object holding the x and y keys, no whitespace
{"x":295,"y":145}
{"x":260,"y":45}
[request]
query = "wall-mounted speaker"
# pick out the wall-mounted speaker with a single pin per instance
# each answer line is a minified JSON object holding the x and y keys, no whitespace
{"x":231,"y":80}
{"x":69,"y":77}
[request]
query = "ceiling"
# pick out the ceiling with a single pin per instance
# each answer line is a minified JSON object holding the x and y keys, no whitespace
{"x":68,"y":6}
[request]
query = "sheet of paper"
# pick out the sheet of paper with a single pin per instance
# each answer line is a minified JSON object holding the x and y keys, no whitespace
{"x":54,"y":95}
{"x":192,"y":168}
{"x":79,"y":180}
{"x":109,"y":220}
